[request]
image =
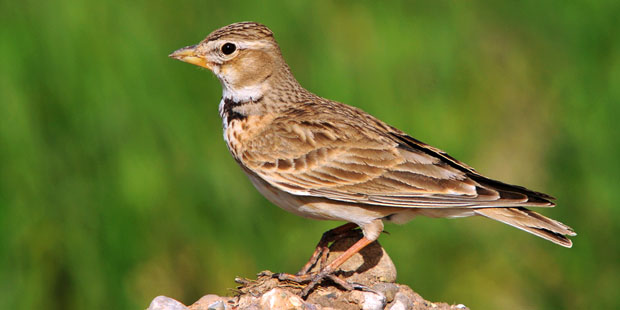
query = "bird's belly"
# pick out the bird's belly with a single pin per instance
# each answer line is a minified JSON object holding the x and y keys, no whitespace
{"x":282,"y":199}
{"x":320,"y":208}
{"x":323,"y":209}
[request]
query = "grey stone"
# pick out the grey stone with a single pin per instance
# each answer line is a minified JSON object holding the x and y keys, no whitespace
{"x":166,"y":303}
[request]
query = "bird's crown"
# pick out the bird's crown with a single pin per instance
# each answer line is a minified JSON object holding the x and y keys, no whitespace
{"x":241,"y":31}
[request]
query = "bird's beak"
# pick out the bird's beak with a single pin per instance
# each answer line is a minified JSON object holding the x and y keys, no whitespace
{"x":188,"y":54}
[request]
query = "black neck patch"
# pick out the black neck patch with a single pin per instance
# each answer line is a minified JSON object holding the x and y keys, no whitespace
{"x":229,"y":112}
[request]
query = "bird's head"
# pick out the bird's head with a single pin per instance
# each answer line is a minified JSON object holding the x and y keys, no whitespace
{"x":244,"y":56}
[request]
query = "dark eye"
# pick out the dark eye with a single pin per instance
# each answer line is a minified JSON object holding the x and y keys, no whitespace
{"x":228,"y":48}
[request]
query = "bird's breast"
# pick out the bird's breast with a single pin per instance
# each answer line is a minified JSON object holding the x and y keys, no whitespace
{"x":240,"y":131}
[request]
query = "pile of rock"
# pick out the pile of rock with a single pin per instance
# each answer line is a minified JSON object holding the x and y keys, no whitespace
{"x":372,"y":267}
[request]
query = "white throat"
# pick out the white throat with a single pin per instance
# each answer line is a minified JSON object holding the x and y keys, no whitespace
{"x":238,"y":94}
{"x":244,"y":94}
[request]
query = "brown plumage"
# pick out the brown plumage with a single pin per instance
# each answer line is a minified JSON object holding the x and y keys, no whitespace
{"x":322,"y":159}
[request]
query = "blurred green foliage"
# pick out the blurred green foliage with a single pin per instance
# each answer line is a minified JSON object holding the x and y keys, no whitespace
{"x":116,"y":186}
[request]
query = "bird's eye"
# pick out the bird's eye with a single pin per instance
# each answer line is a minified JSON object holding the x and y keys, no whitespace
{"x":228,"y":48}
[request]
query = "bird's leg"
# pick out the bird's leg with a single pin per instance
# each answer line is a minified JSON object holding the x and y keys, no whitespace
{"x":322,"y":249}
{"x":327,"y":271}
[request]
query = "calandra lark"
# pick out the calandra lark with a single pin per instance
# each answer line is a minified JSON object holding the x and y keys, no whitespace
{"x":325,"y":160}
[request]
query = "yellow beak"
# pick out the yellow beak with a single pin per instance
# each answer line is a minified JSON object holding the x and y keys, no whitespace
{"x":188,"y":54}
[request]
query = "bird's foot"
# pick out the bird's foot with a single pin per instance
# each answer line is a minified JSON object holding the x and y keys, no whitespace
{"x":314,"y":279}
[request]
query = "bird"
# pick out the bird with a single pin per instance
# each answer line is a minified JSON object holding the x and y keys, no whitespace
{"x":325,"y":160}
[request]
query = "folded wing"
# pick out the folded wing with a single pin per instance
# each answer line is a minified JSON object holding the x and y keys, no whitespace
{"x":345,"y":163}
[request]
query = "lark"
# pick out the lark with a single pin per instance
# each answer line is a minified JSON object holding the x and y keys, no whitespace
{"x":326,"y":160}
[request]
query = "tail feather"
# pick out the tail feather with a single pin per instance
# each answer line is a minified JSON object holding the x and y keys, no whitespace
{"x":531,"y":222}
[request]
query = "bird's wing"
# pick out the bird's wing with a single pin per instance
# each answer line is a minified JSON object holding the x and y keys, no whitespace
{"x":369,"y":162}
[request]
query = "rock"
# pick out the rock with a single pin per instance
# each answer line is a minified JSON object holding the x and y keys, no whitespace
{"x":372,"y":268}
{"x":388,"y":290}
{"x":166,"y":303}
{"x":368,"y":300}
{"x":401,"y":302}
{"x":211,"y":302}
{"x":280,"y":299}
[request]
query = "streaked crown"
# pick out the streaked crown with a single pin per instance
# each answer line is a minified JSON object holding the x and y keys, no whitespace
{"x":241,"y":31}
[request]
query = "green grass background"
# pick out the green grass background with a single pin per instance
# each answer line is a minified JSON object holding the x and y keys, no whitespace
{"x":116,"y":185}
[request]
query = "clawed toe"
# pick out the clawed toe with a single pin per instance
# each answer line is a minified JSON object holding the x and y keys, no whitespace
{"x":314,"y":279}
{"x":350,"y":286}
{"x":293,"y":277}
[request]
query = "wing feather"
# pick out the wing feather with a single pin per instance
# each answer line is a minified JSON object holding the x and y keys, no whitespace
{"x":372,"y":165}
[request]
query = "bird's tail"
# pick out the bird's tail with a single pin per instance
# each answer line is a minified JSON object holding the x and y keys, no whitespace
{"x":531,"y":222}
